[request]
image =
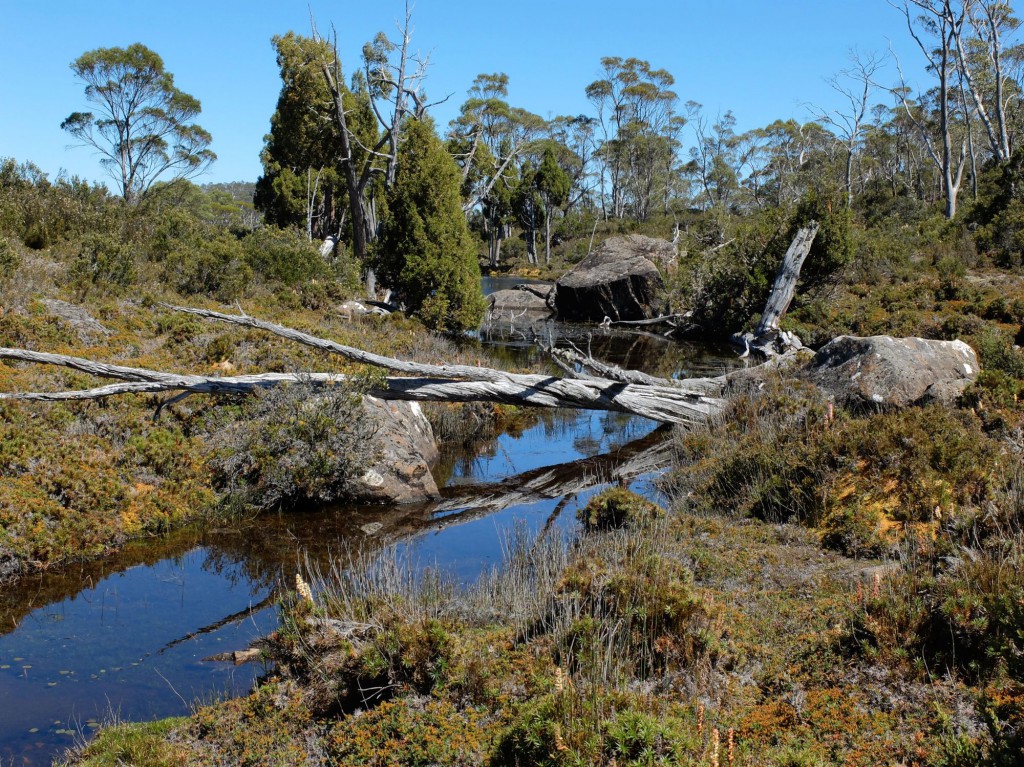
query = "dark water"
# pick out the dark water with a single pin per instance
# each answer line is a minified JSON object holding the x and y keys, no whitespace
{"x":127,"y":638}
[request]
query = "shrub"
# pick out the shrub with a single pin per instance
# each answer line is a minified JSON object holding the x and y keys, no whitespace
{"x":996,"y":352}
{"x":961,"y":605}
{"x":10,"y":260}
{"x":283,"y":255}
{"x":617,"y":507}
{"x":213,"y":267}
{"x":867,"y":481}
{"x":639,"y":617}
{"x":103,"y":262}
{"x":295,"y":444}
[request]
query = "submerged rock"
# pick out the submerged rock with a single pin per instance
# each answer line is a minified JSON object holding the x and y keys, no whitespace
{"x":409,"y":450}
{"x":892,"y":372}
{"x":620,"y":280}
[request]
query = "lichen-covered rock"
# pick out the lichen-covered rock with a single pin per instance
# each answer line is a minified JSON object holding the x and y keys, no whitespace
{"x":620,"y":280}
{"x":88,"y":329}
{"x":892,"y":372}
{"x":409,"y":450}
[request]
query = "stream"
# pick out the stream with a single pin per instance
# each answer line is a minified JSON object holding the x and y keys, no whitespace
{"x":125,"y":638}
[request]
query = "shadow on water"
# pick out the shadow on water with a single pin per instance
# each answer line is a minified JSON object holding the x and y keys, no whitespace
{"x":126,"y":637}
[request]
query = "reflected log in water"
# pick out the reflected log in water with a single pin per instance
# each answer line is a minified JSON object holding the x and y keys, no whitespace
{"x":468,"y":502}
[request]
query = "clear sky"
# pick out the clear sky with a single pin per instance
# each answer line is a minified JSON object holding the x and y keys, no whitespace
{"x":763,"y":59}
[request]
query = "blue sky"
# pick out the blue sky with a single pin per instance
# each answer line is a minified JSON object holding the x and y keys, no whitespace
{"x":763,"y":59}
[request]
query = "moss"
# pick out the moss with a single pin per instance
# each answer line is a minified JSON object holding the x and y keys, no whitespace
{"x":144,"y":744}
{"x":618,"y":507}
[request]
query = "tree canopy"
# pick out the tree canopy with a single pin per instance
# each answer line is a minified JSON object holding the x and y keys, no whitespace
{"x":141,"y":126}
{"x":425,"y":251}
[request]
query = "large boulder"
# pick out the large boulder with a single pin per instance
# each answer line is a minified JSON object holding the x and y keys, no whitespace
{"x":620,"y":280}
{"x":509,"y":304}
{"x":892,"y":372}
{"x":409,"y":450}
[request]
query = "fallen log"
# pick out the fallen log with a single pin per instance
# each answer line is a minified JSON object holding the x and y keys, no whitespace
{"x":663,"y":400}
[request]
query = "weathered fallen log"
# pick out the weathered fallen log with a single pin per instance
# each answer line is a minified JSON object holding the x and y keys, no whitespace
{"x":665,"y":400}
{"x":713,"y":386}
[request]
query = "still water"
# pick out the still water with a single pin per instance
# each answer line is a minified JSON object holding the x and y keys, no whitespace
{"x":131,"y":638}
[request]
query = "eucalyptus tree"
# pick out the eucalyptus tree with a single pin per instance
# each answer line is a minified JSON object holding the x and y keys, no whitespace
{"x":894,"y":152}
{"x":574,"y":141}
{"x":141,"y":125}
{"x":552,"y":184}
{"x":639,"y":127}
{"x":528,"y":208}
{"x":487,"y":140}
{"x":935,"y":26}
{"x":987,"y":60}
{"x":714,"y":159}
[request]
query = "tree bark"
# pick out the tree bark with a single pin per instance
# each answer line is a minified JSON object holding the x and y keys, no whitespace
{"x":785,"y":280}
{"x":659,"y":399}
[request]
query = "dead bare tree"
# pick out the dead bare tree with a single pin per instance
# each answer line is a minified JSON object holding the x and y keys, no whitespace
{"x":393,"y":78}
{"x":854,"y":84}
{"x":942,"y":21}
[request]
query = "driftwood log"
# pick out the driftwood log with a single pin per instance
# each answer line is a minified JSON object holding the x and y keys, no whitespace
{"x":664,"y":400}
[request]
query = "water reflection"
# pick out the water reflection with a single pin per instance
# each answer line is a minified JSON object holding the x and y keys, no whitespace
{"x":128,"y":636}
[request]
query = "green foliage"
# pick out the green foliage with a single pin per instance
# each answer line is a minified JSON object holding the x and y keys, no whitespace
{"x":104,"y":264}
{"x":727,"y":286}
{"x":302,"y":184}
{"x":42,"y":213}
{"x":425,"y":251}
{"x":283,"y":255}
{"x":967,"y":616}
{"x":294,"y":444}
{"x":617,"y":507}
{"x":10,"y":260}
{"x":996,"y":352}
{"x":833,"y":248}
{"x":998,"y":214}
{"x":867,"y":481}
{"x":198,"y":258}
{"x":951,"y":276}
{"x":141,"y":127}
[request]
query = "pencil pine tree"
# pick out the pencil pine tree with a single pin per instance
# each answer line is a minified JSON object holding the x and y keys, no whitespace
{"x":425,"y":251}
